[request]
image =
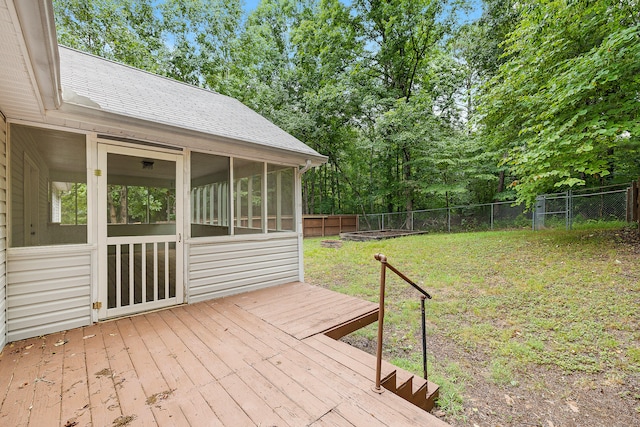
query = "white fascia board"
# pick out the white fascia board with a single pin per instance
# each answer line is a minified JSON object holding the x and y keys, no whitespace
{"x":24,"y":51}
{"x":94,"y":120}
{"x":39,"y":33}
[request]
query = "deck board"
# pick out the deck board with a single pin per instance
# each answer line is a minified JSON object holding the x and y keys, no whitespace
{"x":286,"y":408}
{"x":48,"y":382}
{"x":22,"y":385}
{"x":302,"y":310}
{"x":223,"y":405}
{"x":9,"y":359}
{"x":194,"y":346}
{"x":254,"y":325}
{"x":331,"y":419}
{"x":197,"y":411}
{"x":75,"y":388}
{"x":215,"y":363}
{"x":178,"y":354}
{"x":129,"y":392}
{"x":103,"y":399}
{"x":257,"y":409}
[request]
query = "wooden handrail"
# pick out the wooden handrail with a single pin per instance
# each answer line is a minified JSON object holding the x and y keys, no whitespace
{"x":383,"y":273}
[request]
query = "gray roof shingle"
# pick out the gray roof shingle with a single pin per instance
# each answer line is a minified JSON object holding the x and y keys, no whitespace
{"x":127,"y":91}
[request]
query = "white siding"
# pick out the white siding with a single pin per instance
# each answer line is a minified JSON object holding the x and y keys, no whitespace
{"x":48,"y":290}
{"x":3,"y":231}
{"x":217,"y":269}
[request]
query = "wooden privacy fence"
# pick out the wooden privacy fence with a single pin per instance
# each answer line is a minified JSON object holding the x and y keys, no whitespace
{"x":328,"y":225}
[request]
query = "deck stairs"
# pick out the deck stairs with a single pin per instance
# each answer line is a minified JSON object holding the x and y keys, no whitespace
{"x":408,"y":386}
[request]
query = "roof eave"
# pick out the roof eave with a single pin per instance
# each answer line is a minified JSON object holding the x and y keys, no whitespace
{"x":95,"y":120}
{"x":39,"y":33}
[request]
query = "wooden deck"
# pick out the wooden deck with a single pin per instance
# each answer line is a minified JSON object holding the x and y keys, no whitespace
{"x":256,"y":359}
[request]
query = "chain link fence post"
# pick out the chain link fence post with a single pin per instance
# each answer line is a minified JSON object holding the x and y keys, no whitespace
{"x":492,"y":206}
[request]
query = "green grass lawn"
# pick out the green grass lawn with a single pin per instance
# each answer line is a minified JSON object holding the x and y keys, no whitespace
{"x":562,"y":300}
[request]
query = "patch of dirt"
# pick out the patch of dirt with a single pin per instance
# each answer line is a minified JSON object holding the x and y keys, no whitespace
{"x":543,"y":396}
{"x":104,"y":373}
{"x":155,"y":398}
{"x":628,"y":237}
{"x":363,"y":236}
{"x":123,"y":420}
{"x":331,"y":244}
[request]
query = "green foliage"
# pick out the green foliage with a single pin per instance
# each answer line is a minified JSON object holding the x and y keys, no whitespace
{"x":124,"y":30}
{"x":564,"y":104}
{"x":145,"y":205}
{"x":452,"y":380}
{"x":501,"y":373}
{"x":73,"y":205}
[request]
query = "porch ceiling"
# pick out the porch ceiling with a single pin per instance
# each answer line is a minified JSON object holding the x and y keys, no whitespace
{"x":19,"y":96}
{"x":212,"y":363}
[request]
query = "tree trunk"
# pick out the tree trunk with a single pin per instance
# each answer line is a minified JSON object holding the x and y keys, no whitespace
{"x":501,"y":182}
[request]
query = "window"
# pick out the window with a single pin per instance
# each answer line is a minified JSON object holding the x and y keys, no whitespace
{"x":281,"y":198}
{"x":247,"y":196}
{"x":131,"y":204}
{"x":141,"y":196}
{"x":209,"y":195}
{"x":48,"y":172}
{"x":262,"y":196}
{"x":68,"y":201}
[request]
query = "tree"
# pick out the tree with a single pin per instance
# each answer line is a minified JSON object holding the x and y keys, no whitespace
{"x":188,"y":40}
{"x":325,"y":53}
{"x":565,"y":103}
{"x":128,"y":31}
{"x":202,"y":35}
{"x":401,"y":37}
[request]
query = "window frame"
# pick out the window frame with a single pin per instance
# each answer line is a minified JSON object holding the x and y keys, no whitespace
{"x":233,"y":203}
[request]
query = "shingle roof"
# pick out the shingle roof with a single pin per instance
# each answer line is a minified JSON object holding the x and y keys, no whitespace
{"x":120,"y":89}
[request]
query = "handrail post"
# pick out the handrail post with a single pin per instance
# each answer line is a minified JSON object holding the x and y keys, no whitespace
{"x":383,"y":270}
{"x":424,"y":340}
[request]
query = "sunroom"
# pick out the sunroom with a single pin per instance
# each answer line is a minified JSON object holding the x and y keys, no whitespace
{"x":102,"y":228}
{"x":128,"y":192}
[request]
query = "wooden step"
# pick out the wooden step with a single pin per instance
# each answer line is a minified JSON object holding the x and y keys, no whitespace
{"x":389,"y":382}
{"x":431,"y":396}
{"x":419,"y":397}
{"x":414,"y":389}
{"x":352,"y":325}
{"x":405,"y":389}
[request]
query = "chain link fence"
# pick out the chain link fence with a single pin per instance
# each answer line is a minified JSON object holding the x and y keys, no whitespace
{"x":490,"y":216}
{"x":579,"y":207}
{"x":551,"y":211}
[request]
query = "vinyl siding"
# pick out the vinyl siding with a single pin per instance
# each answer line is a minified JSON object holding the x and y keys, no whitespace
{"x":3,"y":231}
{"x":47,"y":291}
{"x":224,"y":268}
